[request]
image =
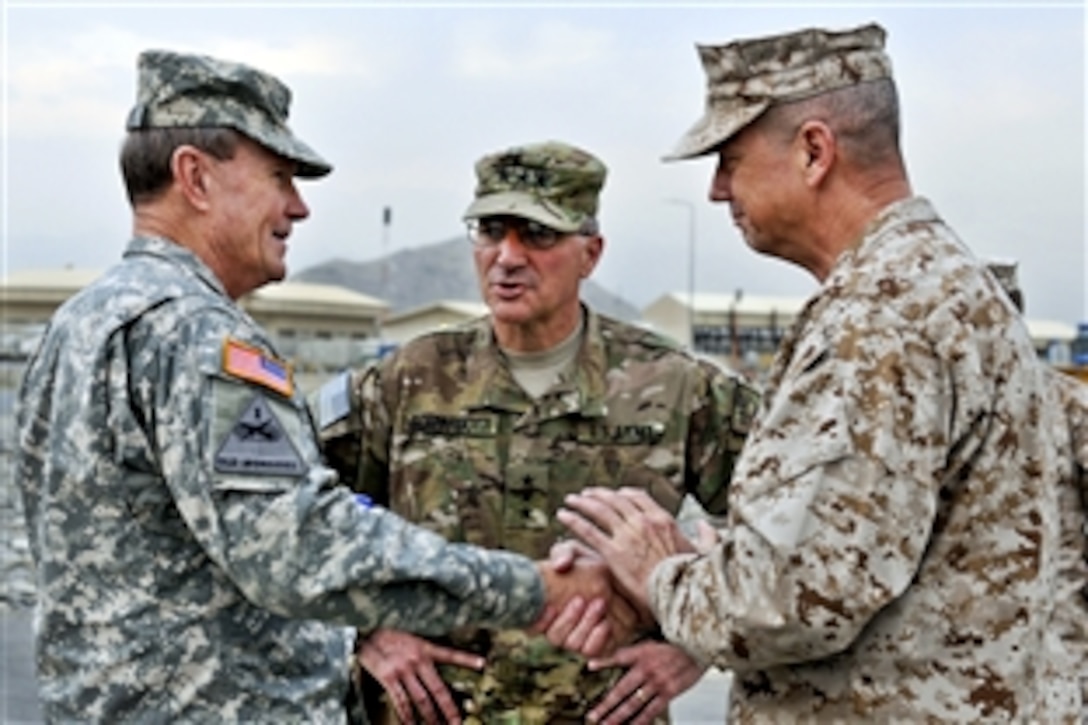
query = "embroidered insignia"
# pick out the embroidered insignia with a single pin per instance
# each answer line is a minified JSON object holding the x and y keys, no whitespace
{"x":258,"y":445}
{"x":248,"y":363}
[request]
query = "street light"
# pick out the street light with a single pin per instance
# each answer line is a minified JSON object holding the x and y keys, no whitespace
{"x":691,"y":266}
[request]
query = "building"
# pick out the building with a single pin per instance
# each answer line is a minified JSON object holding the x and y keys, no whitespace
{"x":745,"y":330}
{"x":399,"y":328}
{"x":318,"y":327}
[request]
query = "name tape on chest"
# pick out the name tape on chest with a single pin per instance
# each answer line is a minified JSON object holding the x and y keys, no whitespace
{"x":451,"y":427}
{"x":258,"y":445}
{"x":249,"y":363}
{"x":432,"y":426}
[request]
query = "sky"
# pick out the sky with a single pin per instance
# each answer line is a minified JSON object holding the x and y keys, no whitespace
{"x":404,"y":97}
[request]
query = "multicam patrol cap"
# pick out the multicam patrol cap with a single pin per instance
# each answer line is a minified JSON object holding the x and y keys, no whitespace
{"x":176,"y":90}
{"x":746,"y":77}
{"x":552,"y":183}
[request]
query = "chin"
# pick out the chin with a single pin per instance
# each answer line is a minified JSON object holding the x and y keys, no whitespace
{"x":511,"y":313}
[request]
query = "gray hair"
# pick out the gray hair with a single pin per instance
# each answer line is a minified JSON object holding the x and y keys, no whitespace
{"x":863,"y":117}
{"x":146,"y":154}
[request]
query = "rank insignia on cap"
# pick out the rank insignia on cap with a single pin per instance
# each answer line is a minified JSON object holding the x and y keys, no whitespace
{"x":248,"y":363}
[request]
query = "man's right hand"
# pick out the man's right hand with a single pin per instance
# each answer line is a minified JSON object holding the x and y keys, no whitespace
{"x":404,"y":665}
{"x":585,"y":612}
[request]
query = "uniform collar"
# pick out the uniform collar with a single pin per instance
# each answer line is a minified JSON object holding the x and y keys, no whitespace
{"x":173,"y":253}
{"x":580,"y":391}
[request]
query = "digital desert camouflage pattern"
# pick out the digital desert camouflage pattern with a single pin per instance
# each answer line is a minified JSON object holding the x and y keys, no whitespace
{"x":746,"y":77}
{"x":169,"y":590}
{"x":893,"y":540}
{"x":443,"y":434}
{"x":1073,"y":620}
{"x":177,"y":90}
{"x":553,"y":183}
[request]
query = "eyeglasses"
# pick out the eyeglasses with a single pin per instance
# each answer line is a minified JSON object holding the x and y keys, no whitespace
{"x":490,"y":231}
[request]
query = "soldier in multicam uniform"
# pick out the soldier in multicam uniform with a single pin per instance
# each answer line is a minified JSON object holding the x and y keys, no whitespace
{"x":478,"y":432}
{"x":186,"y":536}
{"x":893,"y":543}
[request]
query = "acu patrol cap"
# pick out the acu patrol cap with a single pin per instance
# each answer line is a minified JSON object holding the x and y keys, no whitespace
{"x":746,"y":77}
{"x":177,"y":90}
{"x":552,"y":183}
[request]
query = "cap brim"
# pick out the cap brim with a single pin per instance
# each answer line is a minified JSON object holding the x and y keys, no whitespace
{"x":713,"y":129}
{"x":286,"y":144}
{"x":526,"y":206}
{"x":310,"y":164}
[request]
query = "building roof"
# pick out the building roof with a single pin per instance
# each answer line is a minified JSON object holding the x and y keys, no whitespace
{"x":715,"y":302}
{"x":69,"y":280}
{"x":309,"y":293}
{"x":64,"y":278}
{"x":1050,"y":330}
{"x":465,"y":308}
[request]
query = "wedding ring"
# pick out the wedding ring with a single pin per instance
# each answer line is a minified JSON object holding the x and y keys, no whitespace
{"x":640,"y":694}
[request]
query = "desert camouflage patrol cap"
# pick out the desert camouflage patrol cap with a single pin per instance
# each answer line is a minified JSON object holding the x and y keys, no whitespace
{"x":746,"y":77}
{"x":176,"y":90}
{"x":552,"y":183}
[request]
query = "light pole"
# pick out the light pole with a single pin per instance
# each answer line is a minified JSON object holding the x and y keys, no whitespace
{"x":691,"y":266}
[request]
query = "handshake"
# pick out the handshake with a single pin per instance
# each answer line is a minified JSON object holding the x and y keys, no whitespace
{"x":596,"y":588}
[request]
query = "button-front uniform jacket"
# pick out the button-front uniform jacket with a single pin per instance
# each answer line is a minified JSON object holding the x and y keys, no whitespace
{"x":443,"y":434}
{"x":893,"y":536}
{"x":187,"y":538}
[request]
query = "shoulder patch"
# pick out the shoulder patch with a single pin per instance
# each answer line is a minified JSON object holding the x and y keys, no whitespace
{"x":334,"y":400}
{"x":258,"y":445}
{"x":249,"y":363}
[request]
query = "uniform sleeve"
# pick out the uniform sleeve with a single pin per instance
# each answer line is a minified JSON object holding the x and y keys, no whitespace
{"x":721,"y":417}
{"x":832,"y":506}
{"x":241,"y":461}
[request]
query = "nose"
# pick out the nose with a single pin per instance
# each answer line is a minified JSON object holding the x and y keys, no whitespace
{"x":296,"y":207}
{"x":721,"y":185}
{"x":511,"y":250}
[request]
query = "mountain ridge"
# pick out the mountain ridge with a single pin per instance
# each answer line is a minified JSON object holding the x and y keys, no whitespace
{"x":416,"y":276}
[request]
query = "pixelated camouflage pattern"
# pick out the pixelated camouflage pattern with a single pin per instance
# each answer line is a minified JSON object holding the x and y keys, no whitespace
{"x":176,"y":90}
{"x":893,"y":539}
{"x":1072,"y":622}
{"x":553,"y":183}
{"x":746,"y":77}
{"x":443,"y":434}
{"x":169,"y":591}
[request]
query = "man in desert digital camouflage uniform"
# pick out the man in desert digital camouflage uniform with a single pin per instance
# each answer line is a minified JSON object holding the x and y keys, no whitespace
{"x":1072,"y":622}
{"x":894,"y":537}
{"x":478,"y":432}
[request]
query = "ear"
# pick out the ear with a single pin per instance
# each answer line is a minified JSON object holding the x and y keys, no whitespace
{"x":190,"y":168}
{"x":818,"y":151}
{"x":591,"y":254}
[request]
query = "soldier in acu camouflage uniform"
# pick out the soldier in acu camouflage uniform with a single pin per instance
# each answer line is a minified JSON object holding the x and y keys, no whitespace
{"x":194,"y":560}
{"x":893,"y":548}
{"x":478,"y":432}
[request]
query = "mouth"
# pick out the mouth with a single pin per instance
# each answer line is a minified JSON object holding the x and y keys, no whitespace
{"x":508,"y":289}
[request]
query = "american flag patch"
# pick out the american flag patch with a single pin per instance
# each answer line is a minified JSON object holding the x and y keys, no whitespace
{"x":248,"y":363}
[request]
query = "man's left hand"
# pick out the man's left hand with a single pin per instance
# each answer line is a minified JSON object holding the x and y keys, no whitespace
{"x":630,"y":531}
{"x":657,"y":672}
